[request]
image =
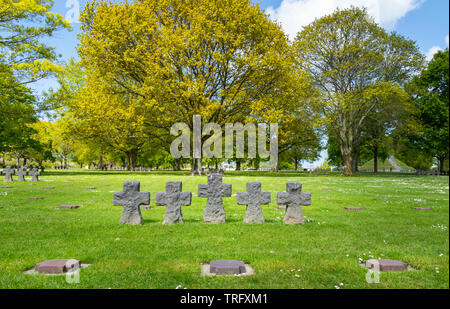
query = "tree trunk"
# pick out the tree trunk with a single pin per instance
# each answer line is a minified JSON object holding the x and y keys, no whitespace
{"x":238,"y":165}
{"x":375,"y":159}
{"x":346,"y":152}
{"x":296,"y":164}
{"x":132,"y":159}
{"x":197,"y":166}
{"x":178,"y":164}
{"x":100,"y":162}
{"x":441,"y":164}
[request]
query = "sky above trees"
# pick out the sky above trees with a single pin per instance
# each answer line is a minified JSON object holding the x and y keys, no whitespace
{"x":425,"y":21}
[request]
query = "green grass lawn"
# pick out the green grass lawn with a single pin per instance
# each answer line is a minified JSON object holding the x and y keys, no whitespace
{"x":323,"y":253}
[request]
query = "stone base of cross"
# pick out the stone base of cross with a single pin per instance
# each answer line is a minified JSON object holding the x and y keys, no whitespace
{"x":131,"y":199}
{"x":294,"y":199}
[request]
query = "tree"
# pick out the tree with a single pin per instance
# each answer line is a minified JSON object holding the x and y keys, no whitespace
{"x":17,"y":114}
{"x":383,"y":120}
{"x":24,"y":25}
{"x":223,"y":60}
{"x":429,"y":91}
{"x":358,"y":68}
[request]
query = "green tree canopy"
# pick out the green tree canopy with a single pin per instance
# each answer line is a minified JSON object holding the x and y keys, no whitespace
{"x":429,"y":91}
{"x":358,"y":68}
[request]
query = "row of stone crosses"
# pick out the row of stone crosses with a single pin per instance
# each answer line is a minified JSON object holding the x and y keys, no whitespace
{"x":21,"y":172}
{"x":131,"y":199}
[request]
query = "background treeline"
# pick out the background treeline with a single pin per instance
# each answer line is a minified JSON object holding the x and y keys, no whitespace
{"x":344,"y":84}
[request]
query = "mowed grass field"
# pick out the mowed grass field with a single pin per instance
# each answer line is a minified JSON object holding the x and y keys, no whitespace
{"x":324,"y":253}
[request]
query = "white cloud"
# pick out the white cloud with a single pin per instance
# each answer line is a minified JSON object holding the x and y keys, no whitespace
{"x":429,"y":55}
{"x":294,"y":14}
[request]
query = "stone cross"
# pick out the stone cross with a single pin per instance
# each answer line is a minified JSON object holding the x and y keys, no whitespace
{"x":131,"y":198}
{"x":214,"y":191}
{"x":21,"y":173}
{"x":35,"y":173}
{"x":8,"y":171}
{"x":253,"y":198}
{"x":173,"y":199}
{"x":294,"y":199}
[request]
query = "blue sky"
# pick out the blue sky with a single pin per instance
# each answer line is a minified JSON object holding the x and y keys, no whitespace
{"x":424,"y":21}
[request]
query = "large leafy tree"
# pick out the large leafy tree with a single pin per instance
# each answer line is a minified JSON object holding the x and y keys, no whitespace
{"x":359,"y":69}
{"x":24,"y":25}
{"x":429,"y":91}
{"x":165,"y":61}
{"x":24,"y":58}
{"x":17,"y":112}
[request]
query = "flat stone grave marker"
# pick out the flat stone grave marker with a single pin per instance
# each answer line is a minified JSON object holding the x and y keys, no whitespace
{"x":68,"y":207}
{"x":131,"y":199}
{"x":294,"y":199}
{"x":48,"y":188}
{"x":214,"y":191}
{"x":35,"y":173}
{"x":5,"y":187}
{"x":91,"y":188}
{"x":227,"y":267}
{"x":326,"y":199}
{"x":58,"y":266}
{"x":146,"y":207}
{"x":386,"y":265}
{"x":353,"y":208}
{"x":253,"y":198}
{"x":326,"y":189}
{"x":21,"y":173}
{"x":8,"y":171}
{"x":1,"y":207}
{"x":380,"y":199}
{"x":35,"y":198}
{"x":421,"y":208}
{"x":281,"y":207}
{"x":173,"y":199}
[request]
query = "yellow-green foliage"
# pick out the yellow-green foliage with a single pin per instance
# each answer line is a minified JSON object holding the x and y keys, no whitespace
{"x":151,"y":64}
{"x":21,"y":41}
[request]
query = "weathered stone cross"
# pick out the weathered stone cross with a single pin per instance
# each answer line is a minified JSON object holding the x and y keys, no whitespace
{"x":253,"y":198}
{"x":35,"y":173}
{"x":8,"y":171}
{"x":294,"y":199}
{"x":214,"y":191}
{"x":173,"y":199}
{"x":131,"y":198}
{"x":21,"y":173}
